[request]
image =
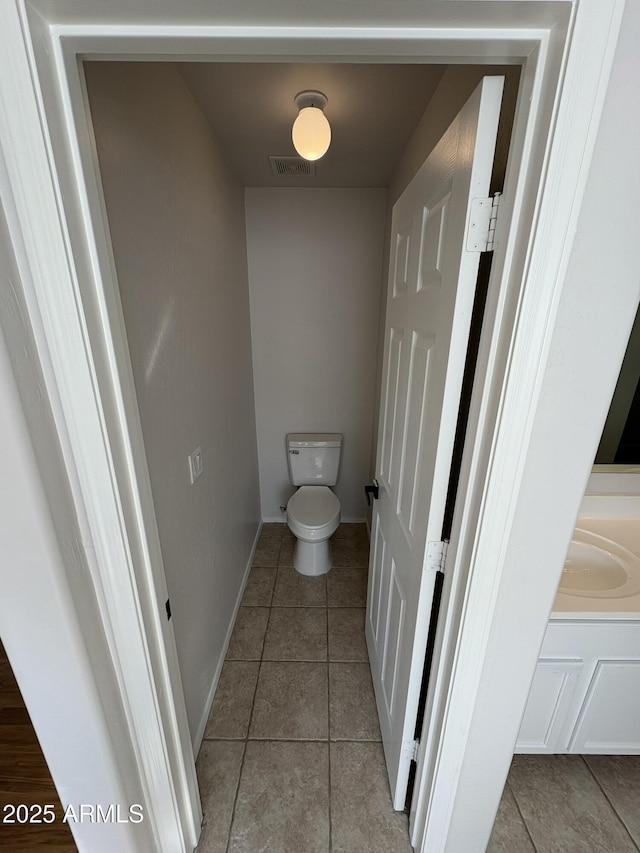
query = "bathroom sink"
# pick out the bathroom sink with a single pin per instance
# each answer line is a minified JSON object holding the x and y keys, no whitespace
{"x":597,"y":567}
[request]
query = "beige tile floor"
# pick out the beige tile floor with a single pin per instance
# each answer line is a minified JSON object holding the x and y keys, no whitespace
{"x":292,"y":760}
{"x":569,"y":804}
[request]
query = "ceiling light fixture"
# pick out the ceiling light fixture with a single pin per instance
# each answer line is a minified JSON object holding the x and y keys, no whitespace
{"x":311,"y":132}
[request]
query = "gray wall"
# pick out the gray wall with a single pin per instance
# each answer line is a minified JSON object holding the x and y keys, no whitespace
{"x":314,"y":276}
{"x":456,"y":86}
{"x":177,"y":227}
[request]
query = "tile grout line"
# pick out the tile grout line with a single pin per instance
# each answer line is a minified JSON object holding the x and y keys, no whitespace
{"x":291,"y":739}
{"x":522,"y":817}
{"x":606,"y":796}
{"x":235,"y":798}
{"x":287,"y":740}
{"x":246,"y":737}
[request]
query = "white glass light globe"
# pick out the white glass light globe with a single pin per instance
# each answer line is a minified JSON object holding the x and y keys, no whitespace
{"x":311,"y":133}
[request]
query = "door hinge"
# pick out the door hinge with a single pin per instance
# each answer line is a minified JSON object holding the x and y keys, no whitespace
{"x":410,"y":749}
{"x":372,"y":490}
{"x":483,"y":219}
{"x":436,"y":556}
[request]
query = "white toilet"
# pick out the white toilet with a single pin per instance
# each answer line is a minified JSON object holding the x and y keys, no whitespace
{"x":313,"y":512}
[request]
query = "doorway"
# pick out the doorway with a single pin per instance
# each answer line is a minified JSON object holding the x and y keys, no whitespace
{"x":314,"y":272}
{"x":521,"y":139}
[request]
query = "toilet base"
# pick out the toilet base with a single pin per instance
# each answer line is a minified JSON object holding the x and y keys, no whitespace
{"x":312,"y":558}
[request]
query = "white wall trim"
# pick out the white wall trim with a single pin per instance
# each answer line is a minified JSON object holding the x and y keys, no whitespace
{"x":456,"y":44}
{"x":35,"y":179}
{"x":45,"y":619}
{"x":199,"y":733}
{"x":140,"y":641}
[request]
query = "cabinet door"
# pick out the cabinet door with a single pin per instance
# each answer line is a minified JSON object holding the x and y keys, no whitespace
{"x":609,"y":720}
{"x":548,"y":706}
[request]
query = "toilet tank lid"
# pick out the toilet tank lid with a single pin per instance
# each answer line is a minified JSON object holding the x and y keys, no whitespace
{"x":314,"y":439}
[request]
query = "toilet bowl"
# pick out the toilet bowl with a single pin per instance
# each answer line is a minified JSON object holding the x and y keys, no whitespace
{"x":313,"y":511}
{"x":313,"y":515}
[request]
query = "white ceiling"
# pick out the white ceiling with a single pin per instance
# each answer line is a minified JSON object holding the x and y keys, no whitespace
{"x":373,"y":111}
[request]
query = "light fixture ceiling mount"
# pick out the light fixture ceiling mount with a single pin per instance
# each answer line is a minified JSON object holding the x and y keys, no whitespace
{"x":310,"y":98}
{"x":311,"y":132}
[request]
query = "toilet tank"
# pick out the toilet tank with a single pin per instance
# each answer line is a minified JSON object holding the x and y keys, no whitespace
{"x":314,"y":458}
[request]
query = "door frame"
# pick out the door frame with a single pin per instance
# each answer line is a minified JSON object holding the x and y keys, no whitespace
{"x":566,"y":49}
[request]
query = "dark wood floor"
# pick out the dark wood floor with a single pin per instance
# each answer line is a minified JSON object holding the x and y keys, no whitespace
{"x":25,"y":777}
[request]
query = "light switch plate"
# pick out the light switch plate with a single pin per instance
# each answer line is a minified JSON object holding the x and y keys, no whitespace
{"x":195,"y":465}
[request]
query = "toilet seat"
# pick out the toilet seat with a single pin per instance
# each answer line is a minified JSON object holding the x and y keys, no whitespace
{"x":313,"y":513}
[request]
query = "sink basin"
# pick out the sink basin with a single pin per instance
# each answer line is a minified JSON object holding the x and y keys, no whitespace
{"x":598,"y":567}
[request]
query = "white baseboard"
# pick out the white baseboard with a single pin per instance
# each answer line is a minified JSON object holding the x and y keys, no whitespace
{"x":199,"y":735}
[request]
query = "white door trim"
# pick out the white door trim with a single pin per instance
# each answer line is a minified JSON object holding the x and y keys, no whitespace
{"x":129,"y":586}
{"x":73,"y":325}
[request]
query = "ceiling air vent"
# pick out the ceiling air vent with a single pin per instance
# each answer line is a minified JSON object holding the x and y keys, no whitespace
{"x":291,"y":166}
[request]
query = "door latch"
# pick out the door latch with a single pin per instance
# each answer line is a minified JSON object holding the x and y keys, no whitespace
{"x":372,"y":490}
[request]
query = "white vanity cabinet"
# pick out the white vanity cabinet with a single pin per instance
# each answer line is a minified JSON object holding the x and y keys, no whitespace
{"x":585,"y":695}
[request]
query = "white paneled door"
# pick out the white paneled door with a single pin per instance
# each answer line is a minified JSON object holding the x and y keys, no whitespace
{"x":432,"y":280}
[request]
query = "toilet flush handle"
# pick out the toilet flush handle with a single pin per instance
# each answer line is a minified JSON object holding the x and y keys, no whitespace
{"x":372,"y":490}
